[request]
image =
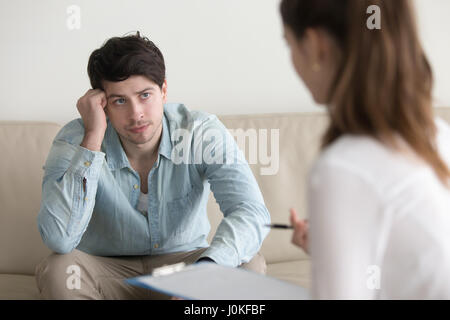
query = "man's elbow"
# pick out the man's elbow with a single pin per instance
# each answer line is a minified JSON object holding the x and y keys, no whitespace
{"x":59,"y":247}
{"x":58,"y":244}
{"x":265,"y":216}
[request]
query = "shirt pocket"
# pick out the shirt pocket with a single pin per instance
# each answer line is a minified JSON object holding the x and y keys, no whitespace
{"x":180,"y":216}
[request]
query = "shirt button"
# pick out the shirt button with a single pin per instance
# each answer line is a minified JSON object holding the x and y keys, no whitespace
{"x":136,"y":186}
{"x":156,"y":246}
{"x":87,"y":163}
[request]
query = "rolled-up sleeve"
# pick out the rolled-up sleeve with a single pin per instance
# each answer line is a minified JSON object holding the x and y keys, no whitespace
{"x":68,"y":189}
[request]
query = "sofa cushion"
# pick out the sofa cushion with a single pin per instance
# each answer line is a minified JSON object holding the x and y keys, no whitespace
{"x":18,"y":287}
{"x":296,"y":147}
{"x":297,"y":272}
{"x":24,"y":147}
{"x":23,"y":287}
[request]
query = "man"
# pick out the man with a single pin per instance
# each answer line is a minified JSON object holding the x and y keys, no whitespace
{"x":125,"y":187}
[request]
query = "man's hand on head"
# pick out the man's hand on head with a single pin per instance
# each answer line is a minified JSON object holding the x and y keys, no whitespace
{"x":91,"y":107}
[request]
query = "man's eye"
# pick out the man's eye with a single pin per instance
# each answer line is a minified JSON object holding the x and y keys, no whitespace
{"x":145,"y":95}
{"x":119,"y":101}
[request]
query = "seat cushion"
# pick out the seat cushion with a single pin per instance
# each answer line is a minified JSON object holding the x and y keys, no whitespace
{"x":23,"y":287}
{"x":297,"y":272}
{"x":18,"y":287}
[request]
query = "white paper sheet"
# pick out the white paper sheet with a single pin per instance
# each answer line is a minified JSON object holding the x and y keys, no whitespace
{"x":210,"y":281}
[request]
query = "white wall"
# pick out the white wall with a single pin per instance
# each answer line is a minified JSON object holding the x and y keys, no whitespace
{"x":434,"y":27}
{"x":222,"y":56}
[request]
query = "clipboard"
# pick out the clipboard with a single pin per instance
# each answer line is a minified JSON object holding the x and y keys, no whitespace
{"x":210,"y":281}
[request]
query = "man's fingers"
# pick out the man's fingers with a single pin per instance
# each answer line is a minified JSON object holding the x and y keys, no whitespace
{"x":104,"y":102}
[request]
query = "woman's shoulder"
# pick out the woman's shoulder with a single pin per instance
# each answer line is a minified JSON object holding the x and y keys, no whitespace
{"x":356,"y":151}
{"x":380,"y":164}
{"x":366,"y":158}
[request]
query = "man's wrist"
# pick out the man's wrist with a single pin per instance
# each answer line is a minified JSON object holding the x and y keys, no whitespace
{"x":92,"y":141}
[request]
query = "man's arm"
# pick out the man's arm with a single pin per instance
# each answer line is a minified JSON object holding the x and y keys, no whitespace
{"x":241,"y":233}
{"x":71,"y":176}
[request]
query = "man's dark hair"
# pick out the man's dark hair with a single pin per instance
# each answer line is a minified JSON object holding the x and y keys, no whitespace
{"x":121,"y":57}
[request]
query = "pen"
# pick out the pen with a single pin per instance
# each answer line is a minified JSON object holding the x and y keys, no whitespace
{"x":279,"y":226}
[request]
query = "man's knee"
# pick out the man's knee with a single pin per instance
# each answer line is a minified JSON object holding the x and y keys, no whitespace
{"x":57,"y":275}
{"x":257,"y":264}
{"x":55,"y":264}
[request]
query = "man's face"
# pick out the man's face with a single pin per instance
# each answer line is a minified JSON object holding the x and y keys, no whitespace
{"x":135,"y":108}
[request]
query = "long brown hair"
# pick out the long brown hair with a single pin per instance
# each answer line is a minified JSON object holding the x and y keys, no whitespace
{"x":384,"y":82}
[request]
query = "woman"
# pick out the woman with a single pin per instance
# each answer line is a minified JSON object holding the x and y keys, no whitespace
{"x":379,"y":194}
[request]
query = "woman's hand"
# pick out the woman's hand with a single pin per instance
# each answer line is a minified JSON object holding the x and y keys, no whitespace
{"x":301,"y":227}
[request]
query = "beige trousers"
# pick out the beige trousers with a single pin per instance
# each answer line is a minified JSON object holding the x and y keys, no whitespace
{"x":78,"y":275}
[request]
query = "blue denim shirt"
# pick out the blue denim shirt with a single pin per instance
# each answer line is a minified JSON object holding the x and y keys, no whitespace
{"x":89,"y":199}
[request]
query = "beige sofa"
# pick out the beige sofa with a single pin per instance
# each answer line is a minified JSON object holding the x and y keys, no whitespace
{"x":25,"y":145}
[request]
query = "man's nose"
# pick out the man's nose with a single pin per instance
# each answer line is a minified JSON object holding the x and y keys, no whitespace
{"x":136,"y":110}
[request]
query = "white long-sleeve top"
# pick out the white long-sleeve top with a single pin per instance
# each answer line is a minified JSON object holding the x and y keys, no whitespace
{"x":379,"y":222}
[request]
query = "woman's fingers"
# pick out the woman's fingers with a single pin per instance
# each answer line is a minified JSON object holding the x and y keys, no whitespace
{"x":300,"y":235}
{"x":294,"y":216}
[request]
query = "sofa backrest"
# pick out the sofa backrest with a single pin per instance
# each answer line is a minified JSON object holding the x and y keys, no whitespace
{"x":25,"y":146}
{"x":291,"y":141}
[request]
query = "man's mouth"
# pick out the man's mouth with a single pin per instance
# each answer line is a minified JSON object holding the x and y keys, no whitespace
{"x":138,"y":129}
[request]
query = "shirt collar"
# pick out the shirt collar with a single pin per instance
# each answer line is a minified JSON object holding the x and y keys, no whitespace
{"x":165,"y":145}
{"x":116,"y":156}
